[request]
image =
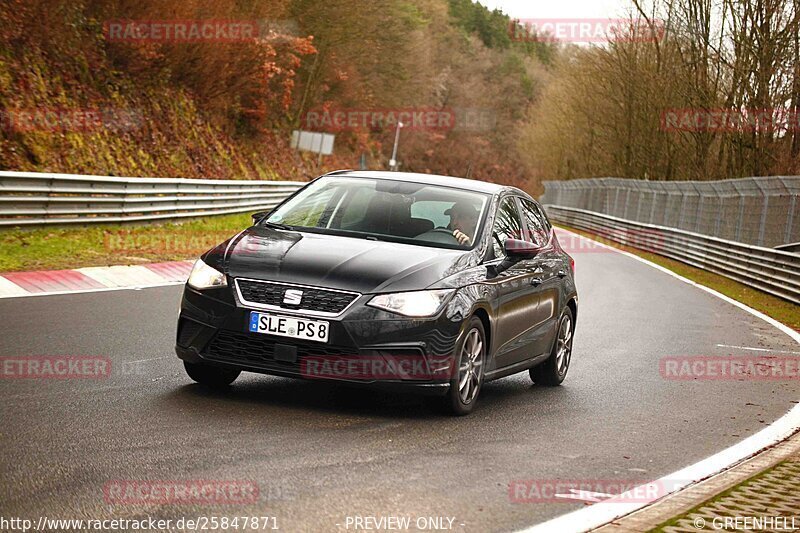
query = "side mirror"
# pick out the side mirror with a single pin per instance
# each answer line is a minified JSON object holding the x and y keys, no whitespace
{"x":258,"y":217}
{"x":518,"y":249}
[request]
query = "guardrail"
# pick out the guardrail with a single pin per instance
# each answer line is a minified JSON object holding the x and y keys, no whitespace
{"x":773,"y":271}
{"x":764,"y":211}
{"x":31,"y":198}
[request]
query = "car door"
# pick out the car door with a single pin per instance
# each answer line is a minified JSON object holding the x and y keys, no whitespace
{"x":550,"y":270}
{"x":517,"y":295}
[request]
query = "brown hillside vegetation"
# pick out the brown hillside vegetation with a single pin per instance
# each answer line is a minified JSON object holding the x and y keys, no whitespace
{"x":523,"y":111}
{"x":225,"y":109}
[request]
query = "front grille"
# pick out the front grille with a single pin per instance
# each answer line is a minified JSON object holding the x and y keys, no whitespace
{"x":257,"y":352}
{"x":254,"y":349}
{"x":316,"y":300}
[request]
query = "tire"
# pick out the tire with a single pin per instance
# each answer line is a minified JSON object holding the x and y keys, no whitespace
{"x":457,"y":401}
{"x":553,"y":371}
{"x":211,"y":376}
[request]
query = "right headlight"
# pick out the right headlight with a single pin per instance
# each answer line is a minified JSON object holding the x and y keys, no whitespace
{"x":416,"y":304}
{"x":205,"y":277}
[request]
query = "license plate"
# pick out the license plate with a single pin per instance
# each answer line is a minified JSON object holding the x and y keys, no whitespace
{"x":289,"y":326}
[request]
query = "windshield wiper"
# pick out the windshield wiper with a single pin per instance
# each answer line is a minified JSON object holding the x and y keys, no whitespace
{"x":275,"y":225}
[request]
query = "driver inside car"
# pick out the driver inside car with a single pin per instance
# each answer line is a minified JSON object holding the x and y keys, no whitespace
{"x":463,"y":222}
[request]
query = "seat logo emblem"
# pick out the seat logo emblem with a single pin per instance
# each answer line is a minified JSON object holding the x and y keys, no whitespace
{"x":292,"y":297}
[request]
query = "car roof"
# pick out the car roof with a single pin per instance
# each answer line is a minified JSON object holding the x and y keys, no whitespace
{"x":429,"y":179}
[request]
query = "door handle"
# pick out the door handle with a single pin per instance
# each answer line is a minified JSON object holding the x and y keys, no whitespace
{"x":536,"y":281}
{"x":562,"y":273}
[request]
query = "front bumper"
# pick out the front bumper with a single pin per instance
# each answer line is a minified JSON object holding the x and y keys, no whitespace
{"x":366,"y":346}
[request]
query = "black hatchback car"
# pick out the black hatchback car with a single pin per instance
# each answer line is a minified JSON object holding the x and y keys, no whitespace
{"x":417,"y":282}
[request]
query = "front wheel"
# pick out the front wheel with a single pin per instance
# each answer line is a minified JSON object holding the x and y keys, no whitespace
{"x":467,"y":379}
{"x":211,"y":376}
{"x":553,"y":371}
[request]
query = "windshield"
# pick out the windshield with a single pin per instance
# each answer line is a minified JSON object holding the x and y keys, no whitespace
{"x":389,"y":210}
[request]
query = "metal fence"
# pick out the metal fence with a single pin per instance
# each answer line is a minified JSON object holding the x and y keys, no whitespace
{"x":773,"y":271}
{"x":760,"y":211}
{"x":28,"y":198}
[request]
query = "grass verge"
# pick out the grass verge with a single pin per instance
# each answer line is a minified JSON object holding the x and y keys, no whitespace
{"x":777,"y":308}
{"x":104,"y":245}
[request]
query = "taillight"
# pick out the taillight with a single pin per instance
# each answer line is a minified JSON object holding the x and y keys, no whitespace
{"x":571,"y":264}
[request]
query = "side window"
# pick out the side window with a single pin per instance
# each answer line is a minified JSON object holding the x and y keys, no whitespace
{"x":507,"y":225}
{"x":538,"y":227}
{"x":543,"y":216}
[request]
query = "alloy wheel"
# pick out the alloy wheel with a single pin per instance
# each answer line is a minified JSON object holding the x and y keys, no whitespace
{"x":470,"y":366}
{"x":564,"y":348}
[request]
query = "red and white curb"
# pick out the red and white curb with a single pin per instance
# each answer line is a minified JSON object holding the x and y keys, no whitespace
{"x":90,"y":279}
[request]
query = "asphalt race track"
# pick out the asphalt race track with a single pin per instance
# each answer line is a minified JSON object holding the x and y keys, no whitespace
{"x":321,"y":453}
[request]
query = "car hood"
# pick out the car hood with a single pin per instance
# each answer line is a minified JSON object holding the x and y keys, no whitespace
{"x":345,"y":263}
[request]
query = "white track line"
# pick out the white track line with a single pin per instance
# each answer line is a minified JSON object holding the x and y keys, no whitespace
{"x":602,"y":513}
{"x":750,"y":349}
{"x":145,"y":360}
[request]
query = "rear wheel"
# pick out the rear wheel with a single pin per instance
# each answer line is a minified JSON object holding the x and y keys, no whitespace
{"x":468,"y":372}
{"x":211,"y":376}
{"x":553,"y":371}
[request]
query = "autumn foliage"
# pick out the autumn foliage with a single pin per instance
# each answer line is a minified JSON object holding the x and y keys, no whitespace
{"x":225,"y":109}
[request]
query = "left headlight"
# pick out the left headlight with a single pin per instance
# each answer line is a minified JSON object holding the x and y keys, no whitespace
{"x":414,"y":304}
{"x":205,"y":277}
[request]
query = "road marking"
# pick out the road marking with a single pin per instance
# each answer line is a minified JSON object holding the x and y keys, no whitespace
{"x":145,"y":360}
{"x":606,"y":511}
{"x":748,"y":348}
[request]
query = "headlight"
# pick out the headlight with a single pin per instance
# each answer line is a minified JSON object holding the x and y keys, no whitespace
{"x":205,"y":277}
{"x":414,"y":304}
